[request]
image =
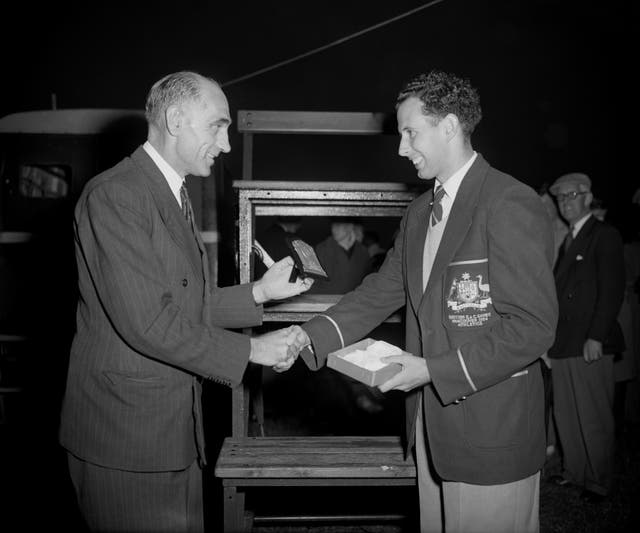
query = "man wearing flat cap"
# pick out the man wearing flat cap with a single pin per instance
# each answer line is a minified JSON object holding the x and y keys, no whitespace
{"x":589,"y":276}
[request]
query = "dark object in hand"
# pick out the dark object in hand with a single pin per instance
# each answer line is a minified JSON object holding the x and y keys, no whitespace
{"x":307,"y":264}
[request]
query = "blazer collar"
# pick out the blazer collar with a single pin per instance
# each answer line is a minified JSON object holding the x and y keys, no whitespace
{"x":458,"y":225}
{"x":567,"y":258}
{"x":170,"y":211}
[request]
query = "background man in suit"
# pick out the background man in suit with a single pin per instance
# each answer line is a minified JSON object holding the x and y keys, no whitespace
{"x":590,"y":281}
{"x":344,"y":258}
{"x":150,"y":326}
{"x":473,"y":266}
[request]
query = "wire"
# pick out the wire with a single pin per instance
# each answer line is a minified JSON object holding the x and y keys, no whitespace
{"x":332,"y":44}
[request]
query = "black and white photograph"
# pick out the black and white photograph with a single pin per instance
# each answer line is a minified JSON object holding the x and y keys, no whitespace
{"x":205,"y":205}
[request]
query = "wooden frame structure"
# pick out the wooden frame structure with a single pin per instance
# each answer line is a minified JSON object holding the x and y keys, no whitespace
{"x":245,"y":460}
{"x":306,"y":123}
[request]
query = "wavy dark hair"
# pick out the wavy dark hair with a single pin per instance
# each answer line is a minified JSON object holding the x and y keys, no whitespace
{"x":442,"y":93}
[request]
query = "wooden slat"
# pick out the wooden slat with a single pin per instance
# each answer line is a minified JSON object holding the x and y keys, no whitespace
{"x":313,"y":457}
{"x":373,"y":441}
{"x":272,"y":187}
{"x":304,"y":306}
{"x":316,"y":122}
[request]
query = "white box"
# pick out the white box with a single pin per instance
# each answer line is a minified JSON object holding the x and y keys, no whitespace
{"x":367,"y":376}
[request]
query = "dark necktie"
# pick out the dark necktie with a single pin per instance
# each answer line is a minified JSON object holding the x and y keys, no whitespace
{"x":187,"y":209}
{"x":436,"y":205}
{"x":568,"y":239}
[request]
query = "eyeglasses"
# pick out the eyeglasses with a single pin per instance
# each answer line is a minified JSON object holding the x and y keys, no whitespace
{"x":569,"y":195}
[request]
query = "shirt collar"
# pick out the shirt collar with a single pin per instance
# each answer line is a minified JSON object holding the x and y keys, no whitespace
{"x":452,"y":185}
{"x":174,"y":179}
{"x":578,"y":225}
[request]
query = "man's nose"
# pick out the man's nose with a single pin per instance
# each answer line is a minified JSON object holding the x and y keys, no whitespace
{"x":222,"y":141}
{"x":403,"y":148}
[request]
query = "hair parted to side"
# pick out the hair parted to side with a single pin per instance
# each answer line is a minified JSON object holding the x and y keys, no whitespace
{"x":442,"y":93}
{"x":174,"y":88}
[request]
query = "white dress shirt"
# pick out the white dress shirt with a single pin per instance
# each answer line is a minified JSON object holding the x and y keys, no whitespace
{"x":578,"y":225}
{"x":434,"y":233}
{"x":174,"y":179}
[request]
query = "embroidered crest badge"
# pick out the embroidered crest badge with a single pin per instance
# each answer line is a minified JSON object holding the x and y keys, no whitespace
{"x":467,"y":292}
{"x":469,"y":298}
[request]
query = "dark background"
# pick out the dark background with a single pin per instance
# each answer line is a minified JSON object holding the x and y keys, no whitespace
{"x":555,"y":77}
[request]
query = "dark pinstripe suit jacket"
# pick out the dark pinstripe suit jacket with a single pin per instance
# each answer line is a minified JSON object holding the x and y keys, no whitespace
{"x":148,"y":324}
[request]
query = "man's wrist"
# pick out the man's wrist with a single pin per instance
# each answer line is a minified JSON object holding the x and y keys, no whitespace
{"x":258,"y":292}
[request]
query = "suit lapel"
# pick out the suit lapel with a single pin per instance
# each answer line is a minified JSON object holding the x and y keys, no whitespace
{"x":568,"y":257}
{"x":459,"y":220}
{"x":170,"y":211}
{"x":416,"y":234}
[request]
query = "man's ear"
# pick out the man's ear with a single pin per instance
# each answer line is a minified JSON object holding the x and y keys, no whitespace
{"x":173,"y":117}
{"x":588,"y":198}
{"x":450,"y":125}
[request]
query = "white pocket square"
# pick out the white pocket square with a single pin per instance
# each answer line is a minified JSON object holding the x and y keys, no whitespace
{"x":579,"y":257}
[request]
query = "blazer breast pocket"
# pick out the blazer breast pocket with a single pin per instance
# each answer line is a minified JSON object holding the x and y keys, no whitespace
{"x":467,"y":295}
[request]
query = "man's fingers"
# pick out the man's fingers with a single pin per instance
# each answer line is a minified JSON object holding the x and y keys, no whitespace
{"x":284,"y":365}
{"x":391,"y":383}
{"x":285,"y":262}
{"x":400,"y":359}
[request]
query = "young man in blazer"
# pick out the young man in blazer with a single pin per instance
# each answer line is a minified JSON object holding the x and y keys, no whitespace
{"x":590,"y":281}
{"x":472,"y":264}
{"x":150,"y":326}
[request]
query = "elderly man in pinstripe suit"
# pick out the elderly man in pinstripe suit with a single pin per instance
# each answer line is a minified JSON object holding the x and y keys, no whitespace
{"x":150,"y":326}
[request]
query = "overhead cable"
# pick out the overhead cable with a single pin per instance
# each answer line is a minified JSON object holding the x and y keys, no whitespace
{"x":332,"y":44}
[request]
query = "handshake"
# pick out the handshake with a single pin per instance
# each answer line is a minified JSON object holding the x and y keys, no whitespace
{"x":279,"y":349}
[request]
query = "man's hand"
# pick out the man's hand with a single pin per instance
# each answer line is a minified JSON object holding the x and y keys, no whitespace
{"x":592,"y":350}
{"x":278,"y":349}
{"x":297,"y":340}
{"x":414,"y":373}
{"x":274,"y":285}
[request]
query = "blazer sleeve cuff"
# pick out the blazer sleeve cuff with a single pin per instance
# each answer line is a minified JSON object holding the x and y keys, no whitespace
{"x":325,"y":337}
{"x":450,"y":377}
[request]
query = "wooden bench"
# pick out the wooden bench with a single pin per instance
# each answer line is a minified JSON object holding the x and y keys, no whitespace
{"x":306,"y":462}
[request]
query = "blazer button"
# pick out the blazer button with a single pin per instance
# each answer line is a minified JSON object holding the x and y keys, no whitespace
{"x":570,"y":296}
{"x":185,"y":282}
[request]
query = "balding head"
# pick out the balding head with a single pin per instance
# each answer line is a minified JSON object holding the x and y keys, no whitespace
{"x":173,"y":89}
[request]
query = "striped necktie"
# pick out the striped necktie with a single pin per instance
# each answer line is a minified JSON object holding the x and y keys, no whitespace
{"x":436,"y":205}
{"x":187,"y":209}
